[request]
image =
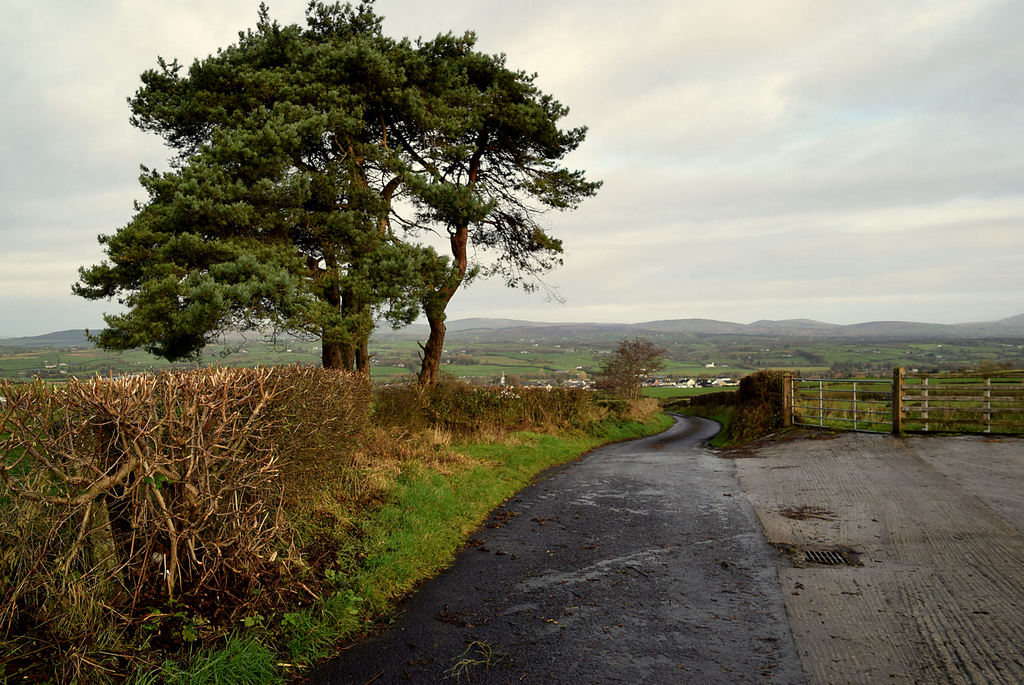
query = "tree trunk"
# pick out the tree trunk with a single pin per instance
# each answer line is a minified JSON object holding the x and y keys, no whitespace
{"x":333,"y":355}
{"x":436,"y":304}
{"x":431,"y":366}
{"x":363,"y":356}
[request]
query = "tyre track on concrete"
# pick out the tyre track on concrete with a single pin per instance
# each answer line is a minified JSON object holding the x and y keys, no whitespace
{"x":940,"y":593}
{"x":639,"y":563}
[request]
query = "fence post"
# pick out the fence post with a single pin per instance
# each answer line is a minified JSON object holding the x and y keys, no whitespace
{"x":821,"y":404}
{"x":855,"y":405}
{"x":924,"y":402}
{"x":988,"y":405}
{"x":787,"y":400}
{"x":897,"y":400}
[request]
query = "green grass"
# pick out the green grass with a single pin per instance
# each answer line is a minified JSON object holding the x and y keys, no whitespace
{"x":734,"y":355}
{"x":675,"y":368}
{"x":390,"y":371}
{"x":242,"y":661}
{"x":490,"y":370}
{"x":723,"y":415}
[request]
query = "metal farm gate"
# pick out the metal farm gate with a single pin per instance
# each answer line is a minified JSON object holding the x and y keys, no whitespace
{"x":861,"y":404}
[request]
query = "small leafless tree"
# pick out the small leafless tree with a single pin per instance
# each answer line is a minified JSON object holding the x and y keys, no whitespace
{"x":623,"y":373}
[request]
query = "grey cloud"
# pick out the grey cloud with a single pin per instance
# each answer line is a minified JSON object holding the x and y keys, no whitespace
{"x":842,"y":161}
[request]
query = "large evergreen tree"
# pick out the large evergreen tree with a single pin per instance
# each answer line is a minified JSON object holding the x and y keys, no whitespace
{"x":292,"y":148}
{"x":275,"y":211}
{"x":485,"y":159}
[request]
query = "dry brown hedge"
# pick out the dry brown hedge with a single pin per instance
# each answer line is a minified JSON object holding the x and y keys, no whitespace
{"x":466,"y":410}
{"x":757,"y":407}
{"x":119,"y":495}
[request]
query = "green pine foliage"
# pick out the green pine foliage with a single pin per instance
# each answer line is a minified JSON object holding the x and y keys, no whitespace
{"x":294,"y":150}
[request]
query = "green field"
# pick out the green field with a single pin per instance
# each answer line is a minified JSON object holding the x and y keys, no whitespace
{"x":664,"y":392}
{"x":484,"y":356}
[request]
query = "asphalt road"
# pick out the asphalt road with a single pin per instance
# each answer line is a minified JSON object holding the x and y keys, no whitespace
{"x":642,"y":562}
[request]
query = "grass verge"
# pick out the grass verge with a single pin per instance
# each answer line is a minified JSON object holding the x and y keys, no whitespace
{"x":723,"y":415}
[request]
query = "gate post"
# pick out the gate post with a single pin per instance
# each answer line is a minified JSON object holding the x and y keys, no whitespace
{"x":987,"y":392}
{"x":897,"y":400}
{"x":787,"y":400}
{"x":924,"y":402}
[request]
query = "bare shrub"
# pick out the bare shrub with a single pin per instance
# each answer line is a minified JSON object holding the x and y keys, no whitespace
{"x":319,"y":417}
{"x":725,"y":398}
{"x":623,"y":373}
{"x":639,"y":409}
{"x":754,"y":410}
{"x":760,"y":405}
{"x":468,"y":410}
{"x":118,"y":494}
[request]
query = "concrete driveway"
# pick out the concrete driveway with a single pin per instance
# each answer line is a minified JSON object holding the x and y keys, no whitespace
{"x":933,"y":526}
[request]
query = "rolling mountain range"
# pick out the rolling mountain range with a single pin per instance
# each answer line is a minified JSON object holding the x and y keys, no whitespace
{"x":1012,"y":327}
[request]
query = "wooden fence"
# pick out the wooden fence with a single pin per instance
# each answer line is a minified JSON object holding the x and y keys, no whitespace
{"x":916,"y":403}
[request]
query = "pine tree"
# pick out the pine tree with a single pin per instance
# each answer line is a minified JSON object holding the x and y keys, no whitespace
{"x":295,"y":149}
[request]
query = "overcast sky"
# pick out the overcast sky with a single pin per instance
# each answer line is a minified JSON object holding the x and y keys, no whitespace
{"x":768,"y":159}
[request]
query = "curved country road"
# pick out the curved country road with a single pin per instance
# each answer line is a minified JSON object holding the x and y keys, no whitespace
{"x":641,"y":562}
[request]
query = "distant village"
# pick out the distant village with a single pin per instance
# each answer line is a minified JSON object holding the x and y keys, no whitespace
{"x":651,"y":382}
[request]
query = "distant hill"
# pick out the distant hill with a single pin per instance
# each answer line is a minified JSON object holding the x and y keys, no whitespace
{"x":1013,"y":321}
{"x":709,"y":326}
{"x":491,"y":324}
{"x":796,"y":327}
{"x":74,"y":337}
{"x":484,"y":328}
{"x":903,"y":329}
{"x":1013,"y":325}
{"x":792,"y":328}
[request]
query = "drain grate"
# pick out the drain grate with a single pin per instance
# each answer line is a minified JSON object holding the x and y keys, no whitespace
{"x":827,"y":557}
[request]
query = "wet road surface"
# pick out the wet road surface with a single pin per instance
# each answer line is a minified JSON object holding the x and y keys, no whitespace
{"x":641,"y":562}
